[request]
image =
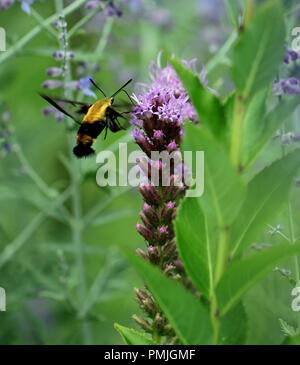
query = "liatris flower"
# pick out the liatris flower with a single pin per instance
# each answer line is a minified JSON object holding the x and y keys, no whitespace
{"x":161,"y":109}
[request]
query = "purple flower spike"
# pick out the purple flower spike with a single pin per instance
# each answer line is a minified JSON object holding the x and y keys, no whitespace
{"x":85,"y":86}
{"x":159,"y":115}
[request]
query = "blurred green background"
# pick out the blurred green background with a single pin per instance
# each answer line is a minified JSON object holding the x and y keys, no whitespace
{"x":40,"y":264}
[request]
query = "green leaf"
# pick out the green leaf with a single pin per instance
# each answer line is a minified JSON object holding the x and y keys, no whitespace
{"x":256,"y":57}
{"x":272,"y":122}
{"x":253,"y":124}
{"x":243,"y":274}
{"x":294,"y":340}
{"x":267,"y":193}
{"x":287,"y":329}
{"x":206,"y":103}
{"x":187,"y":315}
{"x":224,"y":191}
{"x":234,"y":326}
{"x":133,"y":337}
{"x":193,"y":245}
{"x":233,"y":11}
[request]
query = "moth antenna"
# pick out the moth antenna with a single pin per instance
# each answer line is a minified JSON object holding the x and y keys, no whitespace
{"x":96,"y":86}
{"x":128,"y":96}
{"x":121,"y":88}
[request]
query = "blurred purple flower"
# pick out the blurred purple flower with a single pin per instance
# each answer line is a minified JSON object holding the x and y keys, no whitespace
{"x":54,"y":71}
{"x":135,"y":5}
{"x":5,"y":4}
{"x":48,"y":111}
{"x":6,"y":147}
{"x":73,"y":85}
{"x":59,"y":116}
{"x":159,"y":16}
{"x":51,"y":84}
{"x":85,"y":86}
{"x":112,"y":10}
{"x":290,"y":55}
{"x":289,"y":86}
{"x":93,"y":4}
{"x":211,"y":10}
{"x":25,"y":5}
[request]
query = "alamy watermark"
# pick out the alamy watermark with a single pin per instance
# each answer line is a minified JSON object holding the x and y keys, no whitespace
{"x":2,"y":39}
{"x":296,"y":41}
{"x":296,"y":301}
{"x":2,"y":300}
{"x":163,"y":169}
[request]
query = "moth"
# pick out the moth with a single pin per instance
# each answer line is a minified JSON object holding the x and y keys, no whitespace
{"x":98,"y":117}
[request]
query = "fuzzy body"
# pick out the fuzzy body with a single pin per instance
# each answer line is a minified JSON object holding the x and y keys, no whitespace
{"x":92,"y":125}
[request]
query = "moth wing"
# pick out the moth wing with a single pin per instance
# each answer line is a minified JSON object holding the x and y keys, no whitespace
{"x":83,"y":107}
{"x":113,"y":125}
{"x":112,"y":119}
{"x":58,"y":107}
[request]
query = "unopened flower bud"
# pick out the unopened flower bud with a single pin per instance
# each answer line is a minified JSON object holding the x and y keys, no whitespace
{"x":145,"y":232}
{"x":153,"y":254}
{"x":141,"y":253}
{"x":73,"y":85}
{"x":142,"y":141}
{"x":172,"y":146}
{"x":48,"y":111}
{"x":143,"y":323}
{"x":168,"y":212}
{"x":93,"y":4}
{"x":150,"y":194}
{"x":151,"y":214}
{"x":162,"y":234}
{"x":51,"y":84}
{"x":54,"y":71}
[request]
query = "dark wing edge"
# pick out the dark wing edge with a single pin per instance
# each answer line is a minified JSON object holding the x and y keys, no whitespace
{"x":58,"y":107}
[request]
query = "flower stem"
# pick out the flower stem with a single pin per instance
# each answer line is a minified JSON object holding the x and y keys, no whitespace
{"x":214,"y":320}
{"x":21,"y":239}
{"x":237,"y":132}
{"x":83,"y":21}
{"x":44,"y":188}
{"x":222,"y":259}
{"x":43,"y":24}
{"x":109,"y":21}
{"x":220,"y":56}
{"x":291,"y":223}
